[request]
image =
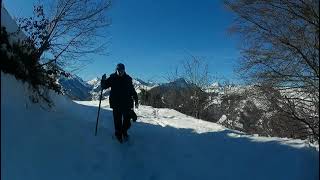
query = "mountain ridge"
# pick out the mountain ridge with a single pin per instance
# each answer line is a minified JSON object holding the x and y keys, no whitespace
{"x":78,"y":89}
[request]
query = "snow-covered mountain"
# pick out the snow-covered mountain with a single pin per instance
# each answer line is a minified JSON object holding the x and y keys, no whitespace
{"x":95,"y":82}
{"x":75,"y":87}
{"x":179,"y":83}
{"x":140,"y":84}
{"x":96,"y":88}
{"x":215,"y":87}
{"x":78,"y":89}
{"x":59,"y":143}
{"x":138,"y":81}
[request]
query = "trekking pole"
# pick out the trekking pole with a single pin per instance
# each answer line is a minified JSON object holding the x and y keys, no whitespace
{"x":98,"y":112}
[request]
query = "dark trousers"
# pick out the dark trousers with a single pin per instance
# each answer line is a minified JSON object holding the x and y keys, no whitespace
{"x":121,"y":120}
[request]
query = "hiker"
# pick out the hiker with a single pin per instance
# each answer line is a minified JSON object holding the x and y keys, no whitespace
{"x":121,"y":99}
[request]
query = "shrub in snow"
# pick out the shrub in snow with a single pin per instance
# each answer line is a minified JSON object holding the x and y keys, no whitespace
{"x":17,"y":58}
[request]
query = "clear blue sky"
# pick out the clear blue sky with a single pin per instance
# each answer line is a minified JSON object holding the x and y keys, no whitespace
{"x":152,"y":37}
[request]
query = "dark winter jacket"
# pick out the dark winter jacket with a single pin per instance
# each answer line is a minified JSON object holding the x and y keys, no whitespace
{"x":122,"y":91}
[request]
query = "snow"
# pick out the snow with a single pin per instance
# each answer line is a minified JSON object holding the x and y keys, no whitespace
{"x":140,"y":84}
{"x":222,"y":119}
{"x":215,"y":87}
{"x":11,"y":25}
{"x":94,"y":82}
{"x":59,"y":143}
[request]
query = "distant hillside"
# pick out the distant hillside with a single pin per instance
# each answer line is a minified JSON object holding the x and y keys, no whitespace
{"x":74,"y":87}
{"x":177,"y":95}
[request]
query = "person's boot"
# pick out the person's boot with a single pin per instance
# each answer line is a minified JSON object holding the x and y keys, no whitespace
{"x":125,"y":136}
{"x":119,"y":137}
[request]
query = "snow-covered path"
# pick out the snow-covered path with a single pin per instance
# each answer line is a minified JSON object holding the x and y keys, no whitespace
{"x":59,"y":143}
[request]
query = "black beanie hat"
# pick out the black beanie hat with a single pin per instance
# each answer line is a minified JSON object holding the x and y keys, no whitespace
{"x":120,"y":66}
